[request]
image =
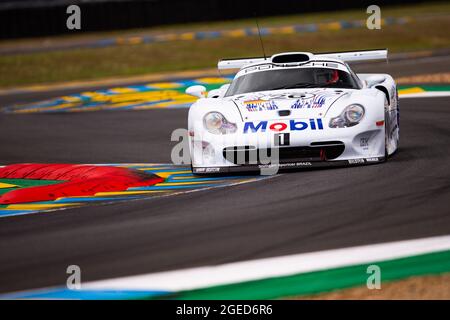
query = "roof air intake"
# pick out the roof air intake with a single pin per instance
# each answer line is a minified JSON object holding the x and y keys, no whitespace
{"x":291,"y":57}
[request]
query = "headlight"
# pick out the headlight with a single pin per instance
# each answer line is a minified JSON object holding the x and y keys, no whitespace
{"x":351,"y":116}
{"x":216,"y":123}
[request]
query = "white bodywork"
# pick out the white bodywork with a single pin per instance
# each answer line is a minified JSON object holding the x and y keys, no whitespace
{"x":294,"y":123}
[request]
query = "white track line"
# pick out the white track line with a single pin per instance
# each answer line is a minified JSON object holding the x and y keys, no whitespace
{"x":208,"y":276}
{"x":428,"y":94}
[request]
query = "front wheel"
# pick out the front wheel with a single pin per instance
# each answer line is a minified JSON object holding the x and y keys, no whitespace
{"x":386,"y":153}
{"x":386,"y":139}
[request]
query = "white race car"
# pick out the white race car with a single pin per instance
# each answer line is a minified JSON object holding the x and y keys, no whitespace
{"x":294,"y":110}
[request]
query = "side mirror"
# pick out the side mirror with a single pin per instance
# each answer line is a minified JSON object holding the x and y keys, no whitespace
{"x":196,"y":91}
{"x":218,"y":93}
{"x":374,"y":80}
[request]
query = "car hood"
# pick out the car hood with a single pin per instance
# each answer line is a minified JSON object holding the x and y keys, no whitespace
{"x":295,"y":103}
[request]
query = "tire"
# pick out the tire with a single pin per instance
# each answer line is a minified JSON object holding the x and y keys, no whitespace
{"x":386,"y":137}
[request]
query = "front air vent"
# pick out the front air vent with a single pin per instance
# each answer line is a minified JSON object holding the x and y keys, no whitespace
{"x":327,"y":143}
{"x":284,"y":113}
{"x":285,"y":154}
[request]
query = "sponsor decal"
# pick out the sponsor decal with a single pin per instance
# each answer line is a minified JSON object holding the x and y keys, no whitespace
{"x":355,"y":161}
{"x":292,"y":125}
{"x":374,"y":159}
{"x":303,"y":100}
{"x":311,"y":101}
{"x":260,"y":105}
{"x":286,"y":165}
{"x":206,"y":170}
{"x":303,"y":164}
{"x":364,"y":143}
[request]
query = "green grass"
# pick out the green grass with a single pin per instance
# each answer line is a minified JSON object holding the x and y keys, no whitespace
{"x":24,"y":183}
{"x":428,"y":31}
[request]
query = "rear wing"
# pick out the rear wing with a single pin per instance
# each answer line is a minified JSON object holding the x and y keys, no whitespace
{"x":346,"y":56}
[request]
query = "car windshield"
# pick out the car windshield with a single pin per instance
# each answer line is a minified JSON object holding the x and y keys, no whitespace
{"x":290,"y":79}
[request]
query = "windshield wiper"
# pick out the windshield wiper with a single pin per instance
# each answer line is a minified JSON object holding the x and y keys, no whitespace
{"x":297,"y":85}
{"x":316,"y":85}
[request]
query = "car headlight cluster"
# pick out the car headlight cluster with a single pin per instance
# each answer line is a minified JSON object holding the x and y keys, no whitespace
{"x":350,"y":117}
{"x":216,"y":123}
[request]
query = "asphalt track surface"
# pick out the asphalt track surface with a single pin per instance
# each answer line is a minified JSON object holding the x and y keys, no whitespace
{"x":302,"y":211}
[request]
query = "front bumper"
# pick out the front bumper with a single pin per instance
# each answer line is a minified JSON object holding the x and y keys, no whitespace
{"x":332,"y":147}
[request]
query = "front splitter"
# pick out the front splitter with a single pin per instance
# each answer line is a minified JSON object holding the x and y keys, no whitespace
{"x":276,"y":167}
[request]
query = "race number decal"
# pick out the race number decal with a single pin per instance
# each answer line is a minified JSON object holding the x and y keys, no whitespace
{"x":282,"y":139}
